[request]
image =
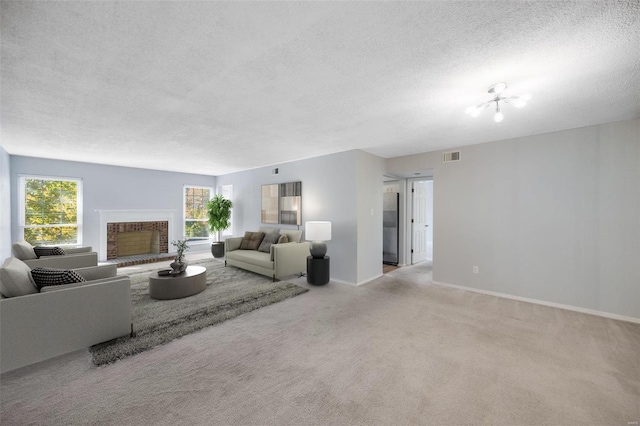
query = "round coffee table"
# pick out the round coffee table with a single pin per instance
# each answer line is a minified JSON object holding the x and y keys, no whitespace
{"x":190,"y":282}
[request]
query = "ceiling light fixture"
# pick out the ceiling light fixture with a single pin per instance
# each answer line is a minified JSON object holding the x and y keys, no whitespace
{"x":496,"y":91}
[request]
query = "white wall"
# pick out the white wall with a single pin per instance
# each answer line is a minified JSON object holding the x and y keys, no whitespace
{"x":5,"y":205}
{"x":331,"y":188}
{"x":112,"y":188}
{"x":552,"y":217}
{"x":370,"y":176}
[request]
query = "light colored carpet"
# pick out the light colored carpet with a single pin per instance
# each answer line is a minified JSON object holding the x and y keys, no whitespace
{"x":397,"y":351}
{"x":230,"y":292}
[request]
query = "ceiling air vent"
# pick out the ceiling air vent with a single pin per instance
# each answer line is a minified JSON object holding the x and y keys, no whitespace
{"x":448,"y":157}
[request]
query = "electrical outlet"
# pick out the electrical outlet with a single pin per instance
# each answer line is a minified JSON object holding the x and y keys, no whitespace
{"x":476,"y":270}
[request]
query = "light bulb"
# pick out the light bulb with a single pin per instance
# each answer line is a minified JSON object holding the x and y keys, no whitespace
{"x":476,"y":112}
{"x":526,"y":97}
{"x":498,"y":117}
{"x":499,"y":87}
{"x":470,"y":110}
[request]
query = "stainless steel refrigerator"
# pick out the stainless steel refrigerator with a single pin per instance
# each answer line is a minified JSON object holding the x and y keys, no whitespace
{"x":390,"y":229}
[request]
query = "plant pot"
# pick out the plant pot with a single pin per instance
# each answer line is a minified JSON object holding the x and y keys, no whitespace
{"x":217,"y":249}
{"x":178,"y":266}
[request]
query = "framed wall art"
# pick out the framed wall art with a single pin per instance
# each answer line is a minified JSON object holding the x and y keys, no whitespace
{"x":282,"y":203}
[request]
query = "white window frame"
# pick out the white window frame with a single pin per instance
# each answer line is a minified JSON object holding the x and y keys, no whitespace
{"x":227,"y":192}
{"x":22,"y":205}
{"x":184,"y":213}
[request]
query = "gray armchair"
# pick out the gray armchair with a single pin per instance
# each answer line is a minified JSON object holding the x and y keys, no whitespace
{"x":79,"y":257}
{"x":35,"y":326}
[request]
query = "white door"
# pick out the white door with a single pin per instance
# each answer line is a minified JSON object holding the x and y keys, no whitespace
{"x":429,"y":219}
{"x":419,"y":221}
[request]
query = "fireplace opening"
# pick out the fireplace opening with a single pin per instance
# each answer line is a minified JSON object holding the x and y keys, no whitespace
{"x":134,"y":238}
{"x":138,"y":242}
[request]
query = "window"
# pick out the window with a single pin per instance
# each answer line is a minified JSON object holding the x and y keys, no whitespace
{"x":227,"y":192}
{"x":196,"y":225}
{"x":50,"y":210}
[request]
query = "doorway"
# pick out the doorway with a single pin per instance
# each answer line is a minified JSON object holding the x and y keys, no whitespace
{"x":391,"y":224}
{"x":421,"y":220}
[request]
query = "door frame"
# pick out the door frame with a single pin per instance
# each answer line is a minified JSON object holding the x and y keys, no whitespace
{"x":402,"y":190}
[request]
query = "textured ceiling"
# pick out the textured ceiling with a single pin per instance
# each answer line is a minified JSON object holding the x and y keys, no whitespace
{"x":217,"y":87}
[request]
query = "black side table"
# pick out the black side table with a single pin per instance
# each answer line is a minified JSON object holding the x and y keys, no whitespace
{"x":317,"y":270}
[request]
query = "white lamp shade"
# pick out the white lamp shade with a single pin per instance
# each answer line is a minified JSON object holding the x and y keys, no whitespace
{"x":317,"y":231}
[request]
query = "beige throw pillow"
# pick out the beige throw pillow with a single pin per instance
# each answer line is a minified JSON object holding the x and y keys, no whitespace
{"x":293,"y":235}
{"x":23,"y":250}
{"x":16,"y":279}
{"x":283,"y":239}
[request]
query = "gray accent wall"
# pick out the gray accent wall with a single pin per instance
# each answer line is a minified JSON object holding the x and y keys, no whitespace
{"x":341,"y":188}
{"x":5,"y":205}
{"x":552,"y":217}
{"x":112,"y":188}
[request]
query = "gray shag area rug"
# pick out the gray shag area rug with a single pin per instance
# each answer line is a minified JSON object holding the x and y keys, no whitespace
{"x":230,"y":292}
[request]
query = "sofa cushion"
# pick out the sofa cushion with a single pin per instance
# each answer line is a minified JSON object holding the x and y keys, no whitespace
{"x":15,"y":278}
{"x":268,"y":230}
{"x":283,"y":239}
{"x":23,"y":251}
{"x":294,"y":235}
{"x":48,"y":251}
{"x":251,"y":240}
{"x":267,"y":241}
{"x":52,"y":276}
{"x":253,"y":257}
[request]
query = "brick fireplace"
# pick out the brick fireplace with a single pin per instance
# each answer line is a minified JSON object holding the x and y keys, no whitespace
{"x":130,"y":238}
{"x":135,"y":231}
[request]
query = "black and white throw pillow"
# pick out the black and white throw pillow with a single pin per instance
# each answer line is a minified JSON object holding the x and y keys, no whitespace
{"x":44,"y":277}
{"x":48,"y":251}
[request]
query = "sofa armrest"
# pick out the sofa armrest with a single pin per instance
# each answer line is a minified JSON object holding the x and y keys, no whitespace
{"x":44,"y":325}
{"x":290,"y":258}
{"x":232,"y":243}
{"x":68,"y":261}
{"x":49,"y":288}
{"x":76,"y":250}
{"x":93,"y":273}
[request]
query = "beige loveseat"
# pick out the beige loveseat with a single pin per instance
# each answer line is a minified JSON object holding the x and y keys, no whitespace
{"x":282,"y":259}
{"x":38,"y":325}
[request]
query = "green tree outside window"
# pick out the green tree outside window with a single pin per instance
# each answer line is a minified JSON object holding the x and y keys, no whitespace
{"x":195,"y":213}
{"x":50,"y":211}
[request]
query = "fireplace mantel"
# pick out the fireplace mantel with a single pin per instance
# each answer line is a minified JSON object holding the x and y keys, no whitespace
{"x":117,"y":216}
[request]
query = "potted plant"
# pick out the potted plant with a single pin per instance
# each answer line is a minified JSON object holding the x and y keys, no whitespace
{"x":219,"y":213}
{"x":180,"y":263}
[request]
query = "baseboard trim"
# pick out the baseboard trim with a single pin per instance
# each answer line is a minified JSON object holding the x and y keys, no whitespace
{"x":369,"y":280}
{"x":333,"y":280}
{"x":356,"y":284}
{"x":544,"y":303}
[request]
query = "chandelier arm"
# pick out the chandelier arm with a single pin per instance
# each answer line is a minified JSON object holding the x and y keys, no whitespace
{"x":481,"y":107}
{"x":509,"y":99}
